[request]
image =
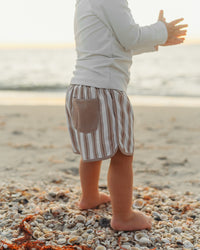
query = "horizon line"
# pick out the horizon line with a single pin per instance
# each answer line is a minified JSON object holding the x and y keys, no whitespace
{"x":12,"y":45}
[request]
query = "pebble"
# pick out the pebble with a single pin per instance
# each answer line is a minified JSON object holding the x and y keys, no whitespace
{"x":178,"y":230}
{"x":104,"y":222}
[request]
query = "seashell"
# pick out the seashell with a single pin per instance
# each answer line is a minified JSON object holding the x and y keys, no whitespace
{"x":165,"y":240}
{"x":187,"y":236}
{"x":147,"y":209}
{"x":90,"y":237}
{"x":124,"y":238}
{"x":144,"y":241}
{"x":37,"y":234}
{"x":100,"y":247}
{"x":164,"y":217}
{"x":62,"y":195}
{"x":41,"y":239}
{"x":139,"y":203}
{"x":179,"y":241}
{"x":74,"y":239}
{"x":157,"y":216}
{"x":188,"y":244}
{"x":139,"y":235}
{"x":49,"y":236}
{"x":80,"y":218}
{"x":91,"y":221}
{"x":154,"y":213}
{"x":96,"y":225}
{"x":74,"y":232}
{"x":15,"y":233}
{"x":114,"y":243}
{"x":79,"y":225}
{"x":85,"y":235}
{"x":178,"y":230}
{"x":70,"y":223}
{"x":99,"y":232}
{"x":128,"y":247}
{"x":51,"y":194}
{"x":89,"y":242}
{"x":61,"y":241}
{"x":39,"y":218}
{"x":56,"y":211}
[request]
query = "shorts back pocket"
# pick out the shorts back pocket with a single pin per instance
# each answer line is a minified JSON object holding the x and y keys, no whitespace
{"x":85,"y":114}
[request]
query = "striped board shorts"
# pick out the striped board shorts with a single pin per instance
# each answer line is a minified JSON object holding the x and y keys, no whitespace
{"x":99,"y":120}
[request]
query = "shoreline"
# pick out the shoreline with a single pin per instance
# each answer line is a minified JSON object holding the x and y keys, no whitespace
{"x":58,"y":99}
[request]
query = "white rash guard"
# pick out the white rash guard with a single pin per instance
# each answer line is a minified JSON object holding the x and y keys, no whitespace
{"x":106,"y":38}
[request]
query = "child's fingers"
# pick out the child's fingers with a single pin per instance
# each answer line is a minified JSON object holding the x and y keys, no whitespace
{"x":174,"y":42}
{"x":161,"y":15}
{"x":181,"y":26}
{"x":180,"y":32}
{"x":176,"y":21}
{"x":178,"y":40}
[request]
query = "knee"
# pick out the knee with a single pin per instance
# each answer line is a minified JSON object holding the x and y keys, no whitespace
{"x":120,"y":159}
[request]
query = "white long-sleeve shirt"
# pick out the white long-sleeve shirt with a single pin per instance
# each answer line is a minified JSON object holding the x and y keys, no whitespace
{"x":106,"y":38}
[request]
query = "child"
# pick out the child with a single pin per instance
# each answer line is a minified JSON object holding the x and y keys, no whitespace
{"x":99,"y":114}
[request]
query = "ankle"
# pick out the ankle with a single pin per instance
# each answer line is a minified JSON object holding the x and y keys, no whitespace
{"x":122,"y":215}
{"x":89,"y":197}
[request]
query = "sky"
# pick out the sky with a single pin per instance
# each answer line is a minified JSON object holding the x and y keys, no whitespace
{"x":51,"y":21}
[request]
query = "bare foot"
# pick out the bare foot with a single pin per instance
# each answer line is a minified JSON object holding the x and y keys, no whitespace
{"x":136,"y":221}
{"x":86,"y":204}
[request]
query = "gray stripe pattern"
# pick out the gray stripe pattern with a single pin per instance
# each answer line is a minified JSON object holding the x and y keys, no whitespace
{"x":115,"y":127}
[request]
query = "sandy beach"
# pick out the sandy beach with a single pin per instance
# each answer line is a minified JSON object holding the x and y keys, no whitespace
{"x":35,"y":146}
{"x":40,"y":182}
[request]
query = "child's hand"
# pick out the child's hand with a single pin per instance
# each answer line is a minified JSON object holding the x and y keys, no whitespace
{"x":175,"y":34}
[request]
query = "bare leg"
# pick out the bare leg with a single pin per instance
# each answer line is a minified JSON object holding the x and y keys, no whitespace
{"x":89,"y":177}
{"x":120,"y":183}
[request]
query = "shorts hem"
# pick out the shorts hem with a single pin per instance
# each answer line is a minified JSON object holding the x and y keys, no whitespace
{"x":106,"y":157}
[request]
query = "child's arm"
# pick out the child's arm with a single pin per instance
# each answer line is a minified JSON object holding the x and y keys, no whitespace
{"x":117,"y":16}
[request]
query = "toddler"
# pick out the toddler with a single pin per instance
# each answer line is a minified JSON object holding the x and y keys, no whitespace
{"x":100,"y":117}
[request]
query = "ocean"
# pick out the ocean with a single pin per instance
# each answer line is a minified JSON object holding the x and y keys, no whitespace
{"x":172,"y":71}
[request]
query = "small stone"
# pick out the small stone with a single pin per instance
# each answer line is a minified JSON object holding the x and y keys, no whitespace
{"x":165,"y":240}
{"x":89,"y":231}
{"x":52,"y":194}
{"x":176,"y":217}
{"x":178,"y":230}
{"x":104,"y":222}
{"x":96,"y":225}
{"x":157,"y":218}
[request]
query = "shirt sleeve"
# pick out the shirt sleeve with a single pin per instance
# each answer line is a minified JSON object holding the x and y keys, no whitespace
{"x":144,"y":50}
{"x":130,"y":35}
